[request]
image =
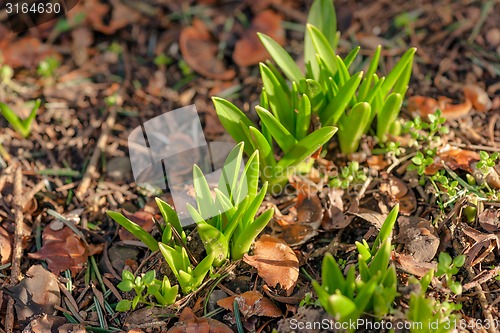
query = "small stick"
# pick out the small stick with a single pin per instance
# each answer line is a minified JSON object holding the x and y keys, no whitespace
{"x":483,"y":301}
{"x":15,"y":271}
{"x":101,"y":145}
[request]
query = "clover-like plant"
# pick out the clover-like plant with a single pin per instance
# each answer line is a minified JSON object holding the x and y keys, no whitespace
{"x":161,"y":290}
{"x":232,"y":227}
{"x":375,"y":288}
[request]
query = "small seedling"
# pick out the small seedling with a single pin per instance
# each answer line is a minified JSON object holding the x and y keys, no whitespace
{"x":348,"y":175}
{"x":47,"y":67}
{"x":486,"y":162}
{"x":21,"y":126}
{"x":161,"y":290}
{"x":447,"y":268}
{"x":189,"y":278}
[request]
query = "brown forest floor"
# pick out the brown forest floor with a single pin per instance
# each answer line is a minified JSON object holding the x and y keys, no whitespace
{"x":75,"y":162}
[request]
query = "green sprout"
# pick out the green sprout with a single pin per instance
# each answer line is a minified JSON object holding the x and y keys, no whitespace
{"x":161,"y":290}
{"x":291,"y":100}
{"x":233,"y":227}
{"x":372,"y":288}
{"x":21,"y":126}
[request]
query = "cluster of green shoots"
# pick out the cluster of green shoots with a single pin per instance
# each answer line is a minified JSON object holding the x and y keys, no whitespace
{"x":327,"y":91}
{"x":227,"y":234}
{"x":371,"y":287}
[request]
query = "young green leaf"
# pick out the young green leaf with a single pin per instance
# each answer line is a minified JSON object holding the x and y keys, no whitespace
{"x":366,"y":84}
{"x":323,"y":47}
{"x":135,"y":230}
{"x":348,"y":60}
{"x":333,"y":111}
{"x":388,"y":115}
{"x":21,"y":126}
{"x":303,"y":118}
{"x":283,"y":137}
{"x":171,"y":218}
{"x":352,"y":126}
{"x":230,"y":117}
{"x":396,"y":72}
{"x":204,"y":199}
{"x":386,"y":229}
{"x":306,"y":147}
{"x":214,"y":242}
{"x":278,"y":99}
{"x":244,"y":240}
{"x":281,"y":57}
{"x":322,"y":15}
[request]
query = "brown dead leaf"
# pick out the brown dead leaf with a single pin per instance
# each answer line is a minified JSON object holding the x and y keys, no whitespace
{"x":398,"y":192}
{"x":408,"y":264}
{"x":5,"y":246}
{"x":200,"y":52}
{"x":189,"y":323}
{"x":377,"y":162}
{"x":454,"y":158}
{"x":482,"y":240}
{"x":44,"y":324}
{"x":251,"y":303}
{"x":25,"y":52}
{"x":249,"y":50}
{"x":418,"y":237}
{"x":478,"y":97}
{"x":142,"y":218}
{"x":36,"y":294}
{"x":276,"y":263}
{"x":423,"y":106}
{"x":304,"y":218}
{"x":335,"y":217}
{"x":489,"y":219}
{"x":62,"y":250}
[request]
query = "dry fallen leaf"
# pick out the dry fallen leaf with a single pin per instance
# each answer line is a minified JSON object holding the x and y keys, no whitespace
{"x":44,"y":324}
{"x":408,"y":264}
{"x":25,"y":52}
{"x":335,"y":217}
{"x":189,"y":323}
{"x":249,"y":50}
{"x":418,"y":237}
{"x":482,"y":240}
{"x":200,"y":52}
{"x":251,"y":303}
{"x":304,"y":218}
{"x":377,"y":162}
{"x":475,"y":97}
{"x":36,"y":294}
{"x":489,"y":219}
{"x":478,"y":97}
{"x":399,"y":192}
{"x":276,"y":263}
{"x":453,"y":158}
{"x":5,"y":246}
{"x":62,"y":250}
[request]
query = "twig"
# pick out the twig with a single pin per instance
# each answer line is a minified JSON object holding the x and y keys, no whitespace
{"x":101,"y":145}
{"x":482,"y":301}
{"x":15,"y":271}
